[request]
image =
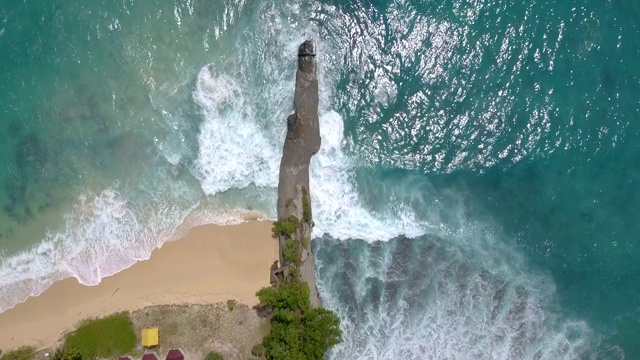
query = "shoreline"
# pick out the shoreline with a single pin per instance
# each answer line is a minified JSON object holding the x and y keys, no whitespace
{"x":210,"y":264}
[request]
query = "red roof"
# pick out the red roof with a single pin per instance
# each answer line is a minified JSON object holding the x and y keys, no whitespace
{"x":150,"y":356}
{"x":175,"y":354}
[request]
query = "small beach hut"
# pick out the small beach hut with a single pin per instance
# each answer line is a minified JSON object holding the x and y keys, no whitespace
{"x":150,"y":337}
{"x":175,"y":354}
{"x":150,"y":356}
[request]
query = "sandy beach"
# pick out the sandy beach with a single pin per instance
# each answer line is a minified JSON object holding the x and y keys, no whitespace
{"x":210,"y":264}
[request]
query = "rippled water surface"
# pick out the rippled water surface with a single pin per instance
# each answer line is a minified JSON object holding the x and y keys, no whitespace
{"x":474,"y":196}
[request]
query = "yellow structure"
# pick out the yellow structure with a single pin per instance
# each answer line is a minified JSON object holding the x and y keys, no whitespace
{"x":150,"y":337}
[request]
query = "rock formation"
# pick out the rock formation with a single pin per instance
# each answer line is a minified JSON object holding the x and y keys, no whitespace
{"x":294,"y":202}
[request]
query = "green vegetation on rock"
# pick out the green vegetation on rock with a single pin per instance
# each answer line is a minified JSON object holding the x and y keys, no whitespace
{"x":291,"y":252}
{"x":306,"y":206}
{"x":21,"y":353}
{"x":287,"y":228}
{"x":103,"y":338}
{"x":297,"y":331}
{"x":289,"y":203}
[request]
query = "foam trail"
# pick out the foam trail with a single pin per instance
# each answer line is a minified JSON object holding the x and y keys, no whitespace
{"x":417,"y":299}
{"x":233,"y":151}
{"x":99,"y":239}
{"x":338,"y":209}
{"x":107,"y":232}
{"x":243,"y":130}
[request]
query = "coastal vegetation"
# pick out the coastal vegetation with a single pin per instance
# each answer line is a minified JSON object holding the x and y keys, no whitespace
{"x":284,"y":228}
{"x":291,"y":253}
{"x":306,"y":205}
{"x":21,"y":353}
{"x":103,"y":338}
{"x":298,"y":331}
{"x":258,"y":350}
{"x":306,"y":242}
{"x":66,"y":353}
{"x":231,"y":304}
{"x":194,"y":328}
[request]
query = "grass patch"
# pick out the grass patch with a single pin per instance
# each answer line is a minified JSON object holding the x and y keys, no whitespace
{"x":171,"y":329}
{"x":21,"y":353}
{"x":306,"y":242}
{"x":214,"y":356}
{"x":103,"y":338}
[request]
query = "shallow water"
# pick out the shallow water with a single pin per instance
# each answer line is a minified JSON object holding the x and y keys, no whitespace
{"x":474,"y":193}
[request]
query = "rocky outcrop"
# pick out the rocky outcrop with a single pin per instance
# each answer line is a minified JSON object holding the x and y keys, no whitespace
{"x":302,"y":142}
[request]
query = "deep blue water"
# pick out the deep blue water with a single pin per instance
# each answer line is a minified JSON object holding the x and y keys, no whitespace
{"x":474,"y":195}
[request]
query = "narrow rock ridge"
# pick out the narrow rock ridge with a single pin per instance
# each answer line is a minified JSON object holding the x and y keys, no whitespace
{"x":294,"y":201}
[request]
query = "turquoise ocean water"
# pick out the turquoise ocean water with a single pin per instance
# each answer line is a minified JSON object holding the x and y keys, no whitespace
{"x":475,"y":193}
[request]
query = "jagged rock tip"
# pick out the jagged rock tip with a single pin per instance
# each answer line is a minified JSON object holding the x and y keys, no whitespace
{"x":307,"y":48}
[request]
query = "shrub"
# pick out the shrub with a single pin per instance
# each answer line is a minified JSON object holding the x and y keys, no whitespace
{"x":231,"y":304}
{"x":290,"y":252}
{"x":298,"y":331}
{"x":287,"y":228}
{"x":21,"y":353}
{"x":306,"y":243}
{"x":285,"y":296}
{"x":67,"y":353}
{"x":257,"y":350}
{"x":103,"y":338}
{"x":321,"y":332}
{"x":214,"y":356}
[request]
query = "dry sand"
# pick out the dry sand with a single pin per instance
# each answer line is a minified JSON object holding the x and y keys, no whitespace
{"x":210,"y":264}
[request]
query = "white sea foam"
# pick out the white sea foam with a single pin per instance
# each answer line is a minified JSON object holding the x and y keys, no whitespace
{"x":416,"y":299}
{"x":233,"y":152}
{"x":242,"y":135}
{"x":338,"y":209}
{"x":101,"y":236}
{"x":105,"y":234}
